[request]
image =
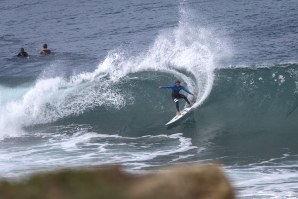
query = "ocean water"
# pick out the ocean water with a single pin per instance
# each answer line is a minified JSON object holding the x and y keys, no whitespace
{"x":95,"y":99}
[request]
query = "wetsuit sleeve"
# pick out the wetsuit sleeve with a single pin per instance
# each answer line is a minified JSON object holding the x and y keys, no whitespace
{"x":186,"y":90}
{"x":167,"y":87}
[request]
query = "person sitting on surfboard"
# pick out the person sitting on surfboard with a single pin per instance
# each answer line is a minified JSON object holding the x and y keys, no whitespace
{"x":176,"y":95}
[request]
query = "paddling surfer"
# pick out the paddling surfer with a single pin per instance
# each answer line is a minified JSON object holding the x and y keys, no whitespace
{"x":45,"y":50}
{"x":176,"y":95}
{"x":22,"y":53}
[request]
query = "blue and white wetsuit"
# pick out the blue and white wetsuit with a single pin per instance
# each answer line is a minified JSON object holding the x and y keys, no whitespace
{"x":176,"y":95}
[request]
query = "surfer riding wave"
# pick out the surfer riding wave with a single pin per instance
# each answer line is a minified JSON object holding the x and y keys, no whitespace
{"x":176,"y":88}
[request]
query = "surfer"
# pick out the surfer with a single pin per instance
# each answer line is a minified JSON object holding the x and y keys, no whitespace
{"x":45,"y":50}
{"x":22,"y":53}
{"x":176,"y":95}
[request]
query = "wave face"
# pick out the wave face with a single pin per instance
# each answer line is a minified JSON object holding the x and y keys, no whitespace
{"x":259,"y":104}
{"x":253,"y":111}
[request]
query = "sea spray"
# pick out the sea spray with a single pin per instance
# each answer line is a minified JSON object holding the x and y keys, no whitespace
{"x":55,"y":98}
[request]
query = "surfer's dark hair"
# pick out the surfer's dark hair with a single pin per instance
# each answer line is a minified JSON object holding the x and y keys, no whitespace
{"x":45,"y":45}
{"x":177,"y":81}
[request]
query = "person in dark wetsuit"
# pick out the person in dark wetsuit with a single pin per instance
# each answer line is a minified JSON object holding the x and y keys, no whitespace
{"x":45,"y":50}
{"x":22,"y":53}
{"x":176,"y":88}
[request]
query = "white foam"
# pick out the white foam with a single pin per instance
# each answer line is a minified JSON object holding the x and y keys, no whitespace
{"x":52,"y":99}
{"x":267,"y":179}
{"x":88,"y":148}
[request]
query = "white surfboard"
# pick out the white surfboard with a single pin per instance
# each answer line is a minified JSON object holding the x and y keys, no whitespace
{"x":177,"y":117}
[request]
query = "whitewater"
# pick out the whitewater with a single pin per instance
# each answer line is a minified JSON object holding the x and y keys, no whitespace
{"x":95,"y":100}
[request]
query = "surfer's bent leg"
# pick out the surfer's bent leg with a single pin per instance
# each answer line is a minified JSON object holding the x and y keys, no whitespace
{"x":176,"y":102}
{"x":184,"y":97}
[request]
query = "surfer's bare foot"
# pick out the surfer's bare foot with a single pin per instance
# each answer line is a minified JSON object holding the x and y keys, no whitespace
{"x":190,"y":105}
{"x":178,"y":113}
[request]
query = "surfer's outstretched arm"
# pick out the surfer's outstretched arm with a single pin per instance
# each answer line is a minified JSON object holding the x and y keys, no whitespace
{"x":166,"y":86}
{"x":186,"y":90}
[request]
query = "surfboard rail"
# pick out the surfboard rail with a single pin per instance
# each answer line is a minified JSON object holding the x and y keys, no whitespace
{"x":177,"y":117}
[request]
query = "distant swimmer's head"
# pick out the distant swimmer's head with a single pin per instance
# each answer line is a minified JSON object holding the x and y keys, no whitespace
{"x":22,"y":49}
{"x":45,"y":46}
{"x":177,"y":82}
